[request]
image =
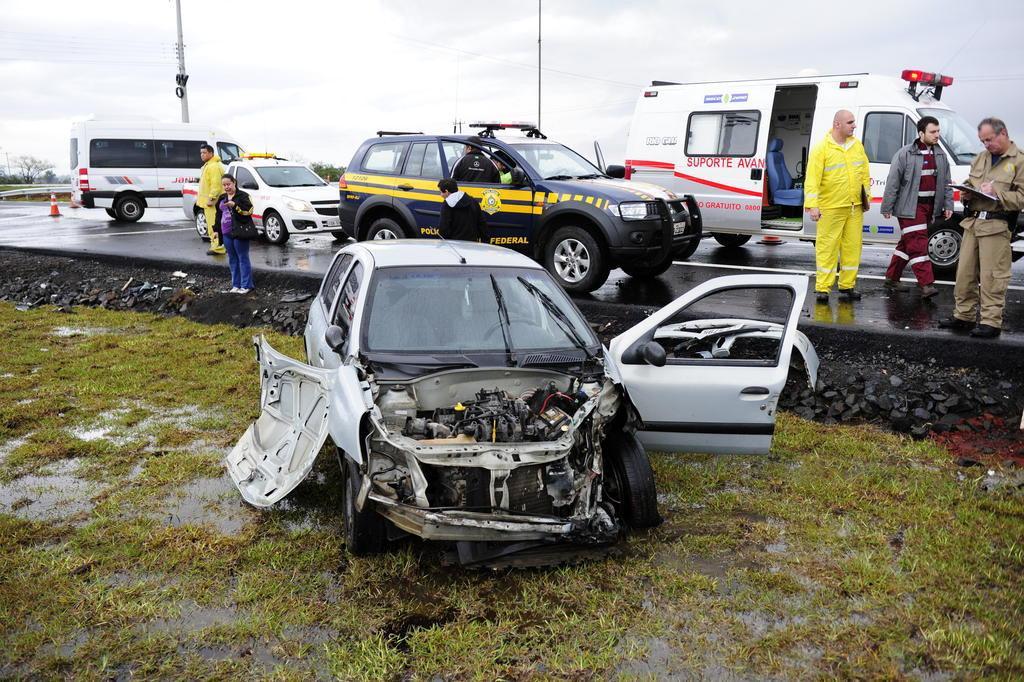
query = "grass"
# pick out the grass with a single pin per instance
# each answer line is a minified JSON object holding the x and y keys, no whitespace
{"x":848,"y":552}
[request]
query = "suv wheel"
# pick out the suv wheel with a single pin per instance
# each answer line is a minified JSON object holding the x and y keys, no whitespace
{"x":129,"y":209}
{"x":645,"y":270}
{"x":385,"y":228}
{"x":110,"y":212}
{"x":944,"y":241}
{"x":731,"y":241}
{"x":365,"y":531}
{"x":274,"y":228}
{"x":575,"y":258}
{"x":201,"y":225}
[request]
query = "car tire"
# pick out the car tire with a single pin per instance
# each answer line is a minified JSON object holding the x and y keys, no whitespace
{"x":385,"y":228}
{"x":648,"y":270}
{"x":686,"y":251}
{"x":110,"y":212}
{"x":576,"y":260}
{"x":365,"y":531}
{"x":200,"y":223}
{"x":340,"y":235}
{"x":129,"y":209}
{"x":732,"y":241}
{"x":944,"y":242}
{"x":274,"y":229}
{"x":629,"y":482}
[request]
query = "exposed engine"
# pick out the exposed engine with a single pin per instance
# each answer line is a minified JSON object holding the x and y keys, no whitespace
{"x":497,"y":417}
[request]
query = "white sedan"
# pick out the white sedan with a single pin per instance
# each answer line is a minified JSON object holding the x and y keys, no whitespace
{"x":469,"y":401}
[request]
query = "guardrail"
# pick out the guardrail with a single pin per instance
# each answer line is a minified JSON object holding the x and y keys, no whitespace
{"x":34,"y":190}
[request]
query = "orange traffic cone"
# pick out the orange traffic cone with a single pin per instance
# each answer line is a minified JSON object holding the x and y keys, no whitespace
{"x":771,"y":239}
{"x":54,"y":211}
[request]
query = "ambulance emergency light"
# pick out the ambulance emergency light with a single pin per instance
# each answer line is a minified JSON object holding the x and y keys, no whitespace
{"x":936,"y":81}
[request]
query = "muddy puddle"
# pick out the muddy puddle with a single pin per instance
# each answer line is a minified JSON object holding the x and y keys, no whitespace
{"x":55,"y":493}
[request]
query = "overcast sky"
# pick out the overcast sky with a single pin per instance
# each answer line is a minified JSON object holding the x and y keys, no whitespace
{"x":312,"y":79}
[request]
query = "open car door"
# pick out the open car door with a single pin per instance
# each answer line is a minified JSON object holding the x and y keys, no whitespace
{"x":278,"y":450}
{"x":703,"y":376}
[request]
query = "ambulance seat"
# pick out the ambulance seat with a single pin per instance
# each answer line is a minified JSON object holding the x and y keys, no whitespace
{"x":780,"y":182}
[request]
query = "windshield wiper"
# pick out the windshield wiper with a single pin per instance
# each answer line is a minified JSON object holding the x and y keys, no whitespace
{"x":559,"y":316}
{"x":503,"y":321}
{"x":591,"y":176}
{"x":559,"y":177}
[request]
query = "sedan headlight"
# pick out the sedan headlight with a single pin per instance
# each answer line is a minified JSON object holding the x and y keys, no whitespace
{"x":638,"y":210}
{"x":297,"y":204}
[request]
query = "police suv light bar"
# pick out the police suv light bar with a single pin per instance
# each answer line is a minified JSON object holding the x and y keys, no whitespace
{"x":935,"y":80}
{"x":267,"y":155}
{"x":530,"y":129}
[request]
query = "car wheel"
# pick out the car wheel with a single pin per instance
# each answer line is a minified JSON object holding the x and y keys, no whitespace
{"x":575,"y":258}
{"x":731,"y":241}
{"x":340,"y":236}
{"x":944,"y":241}
{"x":686,"y":251}
{"x":129,"y":209}
{"x":646,"y":270}
{"x":385,"y":228}
{"x":201,"y":225}
{"x":110,"y":212}
{"x":274,"y":228}
{"x":629,"y":481}
{"x":365,"y":531}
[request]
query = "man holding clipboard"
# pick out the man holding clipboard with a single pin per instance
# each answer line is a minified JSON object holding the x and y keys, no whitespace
{"x":993,"y":196}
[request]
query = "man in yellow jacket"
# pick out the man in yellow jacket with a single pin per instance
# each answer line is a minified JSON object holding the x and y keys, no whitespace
{"x":837,"y":191}
{"x":209,"y":190}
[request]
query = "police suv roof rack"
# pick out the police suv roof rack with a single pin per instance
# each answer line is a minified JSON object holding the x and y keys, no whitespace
{"x":382,"y":133}
{"x":530,"y":129}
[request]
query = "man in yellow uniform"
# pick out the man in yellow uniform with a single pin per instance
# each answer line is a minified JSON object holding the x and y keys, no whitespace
{"x":837,"y":191}
{"x":983,"y":273}
{"x":209,"y":190}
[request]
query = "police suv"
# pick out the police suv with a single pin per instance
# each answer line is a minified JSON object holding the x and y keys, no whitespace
{"x":555,"y":205}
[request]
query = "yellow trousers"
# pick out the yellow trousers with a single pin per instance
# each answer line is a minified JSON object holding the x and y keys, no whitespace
{"x":211,"y":215}
{"x":837,"y":247}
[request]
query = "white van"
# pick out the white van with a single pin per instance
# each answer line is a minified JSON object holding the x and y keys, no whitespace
{"x":128,"y":165}
{"x":740,"y":147}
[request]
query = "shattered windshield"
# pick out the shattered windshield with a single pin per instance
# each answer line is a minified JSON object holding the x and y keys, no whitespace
{"x":455,"y":310}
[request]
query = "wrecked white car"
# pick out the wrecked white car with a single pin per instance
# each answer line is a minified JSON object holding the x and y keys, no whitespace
{"x":469,"y":401}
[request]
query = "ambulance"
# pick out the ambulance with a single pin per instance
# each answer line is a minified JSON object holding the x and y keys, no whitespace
{"x":741,"y":148}
{"x":128,"y":165}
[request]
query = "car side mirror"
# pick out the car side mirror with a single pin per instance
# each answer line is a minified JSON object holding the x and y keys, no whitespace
{"x":653,"y":353}
{"x":335,"y":337}
{"x":249,"y":185}
{"x":518,"y":176}
{"x":616,"y":171}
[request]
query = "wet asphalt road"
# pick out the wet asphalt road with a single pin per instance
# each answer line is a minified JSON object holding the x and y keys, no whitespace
{"x":165,"y":235}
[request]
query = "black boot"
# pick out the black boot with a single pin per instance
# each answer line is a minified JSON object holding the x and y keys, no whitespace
{"x":849,"y":295}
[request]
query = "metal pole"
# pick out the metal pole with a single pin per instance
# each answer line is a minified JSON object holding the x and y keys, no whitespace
{"x":538,"y":64}
{"x":182,"y":79}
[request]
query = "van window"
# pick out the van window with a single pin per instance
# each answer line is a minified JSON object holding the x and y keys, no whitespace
{"x":384,"y":158}
{"x":722,"y":133}
{"x":122,"y":154}
{"x":228,"y":152}
{"x":178,"y":153}
{"x":884,"y":133}
{"x":74,"y":153}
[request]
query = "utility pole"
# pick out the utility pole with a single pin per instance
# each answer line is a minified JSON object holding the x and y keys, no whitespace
{"x":538,"y":64}
{"x":181,"y":90}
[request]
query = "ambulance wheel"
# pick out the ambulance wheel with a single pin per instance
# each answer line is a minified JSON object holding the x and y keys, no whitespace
{"x":575,"y":258}
{"x":385,"y":228}
{"x":274,"y":228}
{"x":731,"y":241}
{"x":201,"y":225}
{"x":129,"y":209}
{"x":365,"y":531}
{"x":944,"y":240}
{"x":629,"y":481}
{"x":646,"y":270}
{"x":110,"y":212}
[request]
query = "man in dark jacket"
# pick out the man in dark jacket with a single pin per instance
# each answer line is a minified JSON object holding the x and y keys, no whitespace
{"x":461,"y":217}
{"x":474,"y":166}
{"x":918,"y":191}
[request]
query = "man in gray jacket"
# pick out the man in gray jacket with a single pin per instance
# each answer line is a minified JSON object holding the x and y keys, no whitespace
{"x":918,"y":191}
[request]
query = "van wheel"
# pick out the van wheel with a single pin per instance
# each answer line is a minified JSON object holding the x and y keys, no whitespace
{"x":129,"y":209}
{"x":575,"y":258}
{"x":340,"y":236}
{"x":629,"y":480}
{"x":365,"y":531}
{"x":201,"y":225}
{"x":274,"y":228}
{"x":385,"y":228}
{"x":944,"y":240}
{"x":731,"y":241}
{"x":110,"y":212}
{"x":646,"y":270}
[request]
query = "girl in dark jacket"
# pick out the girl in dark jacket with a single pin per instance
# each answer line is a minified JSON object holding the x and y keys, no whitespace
{"x":234,"y":214}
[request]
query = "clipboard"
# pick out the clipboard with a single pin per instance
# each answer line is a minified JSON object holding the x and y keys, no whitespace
{"x":972,"y":190}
